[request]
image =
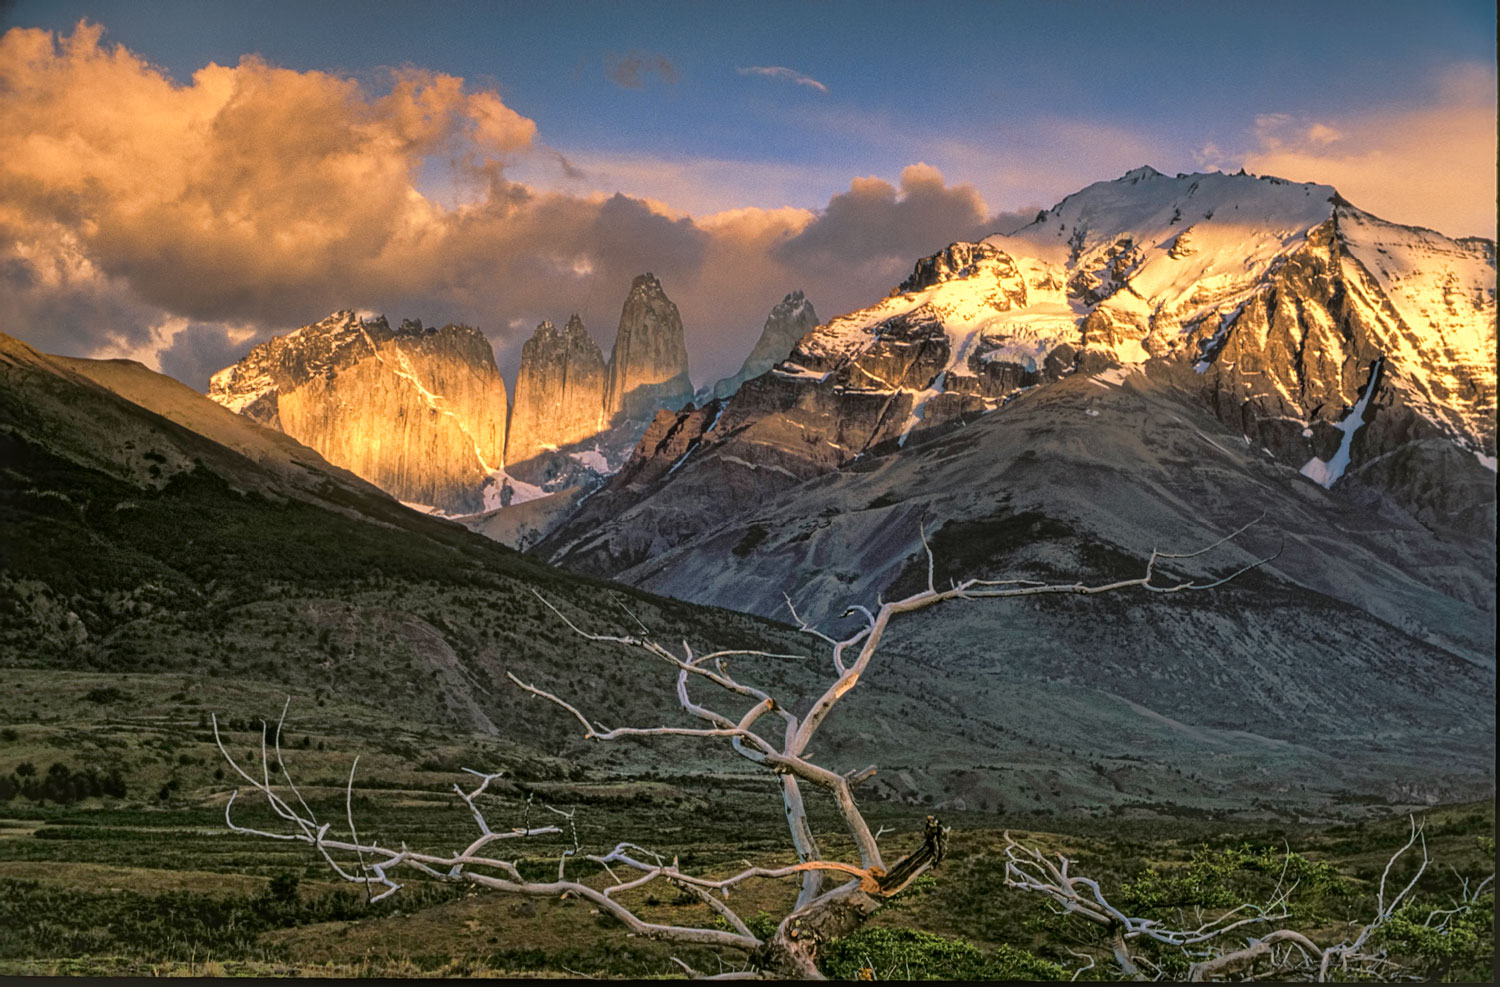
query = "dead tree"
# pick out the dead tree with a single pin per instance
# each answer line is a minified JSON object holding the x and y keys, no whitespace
{"x":835,"y":896}
{"x":1245,"y":942}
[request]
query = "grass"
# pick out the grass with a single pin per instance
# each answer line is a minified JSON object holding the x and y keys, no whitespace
{"x":153,"y":883}
{"x":127,"y":887}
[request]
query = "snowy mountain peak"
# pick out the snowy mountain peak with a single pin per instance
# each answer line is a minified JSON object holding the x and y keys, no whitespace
{"x":958,"y":260}
{"x":1140,"y":174}
{"x":1279,"y":297}
{"x":1155,"y":208}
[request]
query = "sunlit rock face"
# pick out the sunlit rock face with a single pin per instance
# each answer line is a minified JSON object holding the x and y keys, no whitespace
{"x":791,"y":319}
{"x":418,"y":412}
{"x":1354,"y":351}
{"x":648,"y":367}
{"x":559,"y":391}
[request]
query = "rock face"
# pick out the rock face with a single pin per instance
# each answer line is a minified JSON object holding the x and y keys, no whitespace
{"x":1354,"y":351}
{"x":1081,"y":479}
{"x":648,"y":367}
{"x":559,"y":391}
{"x":418,"y":412}
{"x":421,"y":413}
{"x":792,"y":318}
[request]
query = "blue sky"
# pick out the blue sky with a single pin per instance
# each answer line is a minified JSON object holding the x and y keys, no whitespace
{"x":941,"y":83}
{"x":1008,"y":106}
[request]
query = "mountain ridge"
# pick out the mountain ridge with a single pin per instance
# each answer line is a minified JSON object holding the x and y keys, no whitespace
{"x":1277,"y":331}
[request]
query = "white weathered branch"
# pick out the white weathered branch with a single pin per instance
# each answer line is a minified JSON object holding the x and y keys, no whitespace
{"x":1284,"y":953}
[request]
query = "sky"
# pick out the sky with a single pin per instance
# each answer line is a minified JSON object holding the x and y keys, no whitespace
{"x":183,"y":180}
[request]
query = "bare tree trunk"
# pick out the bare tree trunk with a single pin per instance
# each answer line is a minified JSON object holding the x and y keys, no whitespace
{"x":792,"y":952}
{"x":802,"y":838}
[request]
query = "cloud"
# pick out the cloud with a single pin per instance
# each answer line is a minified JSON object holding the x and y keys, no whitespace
{"x":782,"y":72}
{"x":567,"y":167}
{"x":243,"y":194}
{"x":875,"y":220}
{"x":179,"y":223}
{"x":1428,"y":164}
{"x":630,"y":70}
{"x":1321,"y":133}
{"x":54,"y":295}
{"x":1031,"y":159}
{"x":197,"y":350}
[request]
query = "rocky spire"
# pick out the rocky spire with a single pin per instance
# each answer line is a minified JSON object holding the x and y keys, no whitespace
{"x":559,"y":390}
{"x":648,"y":367}
{"x":788,"y":322}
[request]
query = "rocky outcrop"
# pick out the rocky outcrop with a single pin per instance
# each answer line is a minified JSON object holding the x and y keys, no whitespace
{"x":791,"y":319}
{"x":648,"y":366}
{"x":559,"y":391}
{"x":418,"y":412}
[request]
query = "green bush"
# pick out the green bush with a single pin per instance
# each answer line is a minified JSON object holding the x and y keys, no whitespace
{"x":1224,"y":878}
{"x":908,"y":954}
{"x":61,"y":784}
{"x":1461,"y":950}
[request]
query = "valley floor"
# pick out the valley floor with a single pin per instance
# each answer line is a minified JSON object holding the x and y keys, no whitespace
{"x":153,"y":883}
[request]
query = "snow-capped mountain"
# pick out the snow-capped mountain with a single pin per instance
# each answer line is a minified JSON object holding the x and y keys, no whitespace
{"x":1151,"y":364}
{"x":1241,"y":277}
{"x":1353,"y":350}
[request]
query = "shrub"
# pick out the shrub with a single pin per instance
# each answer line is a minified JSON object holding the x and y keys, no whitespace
{"x":909,"y":954}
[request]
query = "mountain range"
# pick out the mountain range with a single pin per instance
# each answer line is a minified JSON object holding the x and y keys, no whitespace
{"x":1154,"y":362}
{"x":1357,"y":352}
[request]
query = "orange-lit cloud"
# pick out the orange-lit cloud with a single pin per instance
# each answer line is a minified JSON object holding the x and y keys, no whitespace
{"x":178,"y":222}
{"x":242,"y":194}
{"x":1431,"y":164}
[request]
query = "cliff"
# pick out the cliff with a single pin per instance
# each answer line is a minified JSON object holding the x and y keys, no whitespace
{"x":418,"y":412}
{"x":559,"y":391}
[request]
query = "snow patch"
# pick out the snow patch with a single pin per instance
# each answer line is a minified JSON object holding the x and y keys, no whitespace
{"x":1114,"y":375}
{"x":757,"y":466}
{"x":795,"y":371}
{"x":1325,"y":474}
{"x":425,"y":509}
{"x":919,"y":405}
{"x":503,"y":490}
{"x":591,"y":458}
